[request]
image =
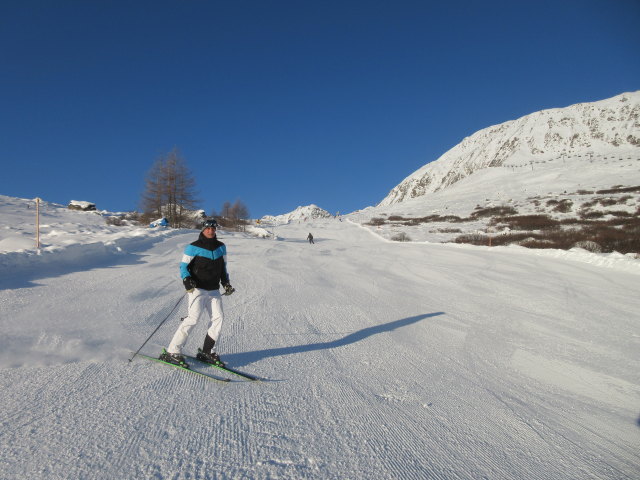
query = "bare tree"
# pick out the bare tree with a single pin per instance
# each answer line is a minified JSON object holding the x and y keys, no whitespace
{"x":234,"y":216}
{"x":225,"y":212}
{"x":153,"y":197}
{"x":181,"y":188}
{"x":170,"y":190}
{"x":239,"y":211}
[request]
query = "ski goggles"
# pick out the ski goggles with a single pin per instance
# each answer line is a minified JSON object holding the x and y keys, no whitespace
{"x":210,"y":224}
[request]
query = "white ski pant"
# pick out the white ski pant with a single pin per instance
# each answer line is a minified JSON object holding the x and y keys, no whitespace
{"x":201,"y":302}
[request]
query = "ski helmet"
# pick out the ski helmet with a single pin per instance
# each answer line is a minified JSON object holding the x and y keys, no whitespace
{"x":210,"y":223}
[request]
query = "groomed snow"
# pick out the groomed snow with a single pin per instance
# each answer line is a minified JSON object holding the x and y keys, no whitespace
{"x":382,"y":359}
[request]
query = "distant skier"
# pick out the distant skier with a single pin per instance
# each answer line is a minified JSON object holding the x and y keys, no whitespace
{"x":310,"y":238}
{"x":203,"y":268}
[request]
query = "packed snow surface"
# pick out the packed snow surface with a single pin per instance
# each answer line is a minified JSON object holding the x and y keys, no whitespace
{"x":380,"y":359}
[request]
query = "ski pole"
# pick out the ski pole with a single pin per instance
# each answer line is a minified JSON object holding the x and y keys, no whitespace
{"x":157,"y":328}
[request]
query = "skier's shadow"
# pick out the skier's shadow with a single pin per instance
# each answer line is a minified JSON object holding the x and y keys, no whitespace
{"x":243,"y":359}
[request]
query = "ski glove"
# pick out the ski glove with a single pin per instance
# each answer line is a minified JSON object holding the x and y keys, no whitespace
{"x":189,"y":284}
{"x":228,"y":289}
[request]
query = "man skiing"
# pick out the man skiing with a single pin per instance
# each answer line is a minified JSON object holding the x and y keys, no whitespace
{"x":203,"y":268}
{"x":310,"y":238}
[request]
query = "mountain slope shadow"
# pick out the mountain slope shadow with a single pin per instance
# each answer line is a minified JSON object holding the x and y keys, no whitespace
{"x":27,"y":277}
{"x":242,"y":359}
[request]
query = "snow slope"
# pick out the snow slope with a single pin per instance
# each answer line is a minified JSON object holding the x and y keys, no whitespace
{"x":382,"y":360}
{"x":529,"y":190}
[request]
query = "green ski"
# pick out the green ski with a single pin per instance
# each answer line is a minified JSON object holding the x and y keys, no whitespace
{"x":205,"y":375}
{"x":233,"y":371}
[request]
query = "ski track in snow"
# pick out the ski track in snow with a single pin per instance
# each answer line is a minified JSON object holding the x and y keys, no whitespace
{"x":381,"y":360}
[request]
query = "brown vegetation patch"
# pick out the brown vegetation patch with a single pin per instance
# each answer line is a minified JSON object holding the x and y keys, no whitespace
{"x":413,"y":221}
{"x":376,"y":221}
{"x":493,"y":212}
{"x":620,"y":234}
{"x":619,"y":189}
{"x":526,"y":222}
{"x":401,"y":237}
{"x":561,"y":206}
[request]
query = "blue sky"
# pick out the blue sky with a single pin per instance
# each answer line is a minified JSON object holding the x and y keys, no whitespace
{"x":284,"y":103}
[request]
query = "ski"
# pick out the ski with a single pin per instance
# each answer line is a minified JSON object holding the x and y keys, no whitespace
{"x":205,"y":375}
{"x":226,"y":369}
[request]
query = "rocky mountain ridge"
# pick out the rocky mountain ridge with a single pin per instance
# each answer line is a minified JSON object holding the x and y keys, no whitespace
{"x":303,"y":213}
{"x":610,"y":126}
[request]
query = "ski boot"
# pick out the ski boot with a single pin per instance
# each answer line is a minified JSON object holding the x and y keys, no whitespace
{"x":212,"y":358}
{"x":173,"y":358}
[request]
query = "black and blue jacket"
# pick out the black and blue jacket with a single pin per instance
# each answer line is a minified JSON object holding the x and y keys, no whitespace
{"x":205,"y":261}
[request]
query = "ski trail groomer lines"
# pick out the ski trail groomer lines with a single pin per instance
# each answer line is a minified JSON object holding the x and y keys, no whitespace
{"x":203,"y":268}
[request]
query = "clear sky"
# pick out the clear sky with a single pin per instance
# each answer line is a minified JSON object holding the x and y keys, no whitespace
{"x":284,"y":103}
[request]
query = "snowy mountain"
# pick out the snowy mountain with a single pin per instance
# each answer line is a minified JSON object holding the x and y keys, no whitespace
{"x":590,"y":130}
{"x":577,"y":169}
{"x":309,"y":212}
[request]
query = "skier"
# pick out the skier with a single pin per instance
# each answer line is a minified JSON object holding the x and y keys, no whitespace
{"x":203,"y":268}
{"x":310,"y":238}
